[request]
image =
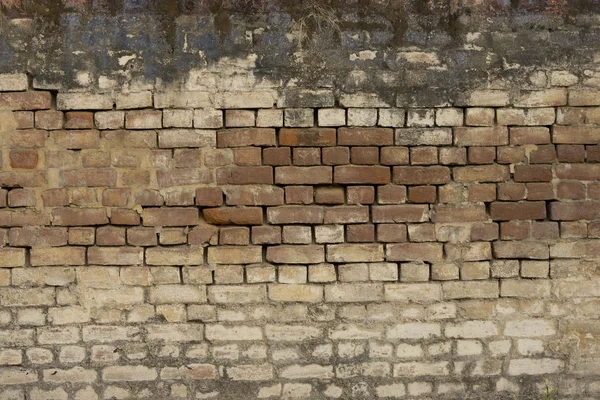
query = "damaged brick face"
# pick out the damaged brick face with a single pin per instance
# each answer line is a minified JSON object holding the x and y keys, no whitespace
{"x":238,"y":237}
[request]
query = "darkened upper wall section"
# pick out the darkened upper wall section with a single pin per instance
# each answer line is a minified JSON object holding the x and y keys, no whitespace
{"x":430,"y":50}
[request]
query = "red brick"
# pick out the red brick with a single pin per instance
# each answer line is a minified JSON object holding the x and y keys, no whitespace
{"x":422,"y":194}
{"x":580,"y":172}
{"x":540,"y":191}
{"x":303,"y":175}
{"x":30,"y":138}
{"x":570,"y":190}
{"x":391,"y":194}
{"x":26,"y":159}
{"x":55,"y":197}
{"x":575,"y":134}
{"x":115,"y":197}
{"x":573,"y":211}
{"x":501,"y":211}
{"x":233,"y":215}
{"x":110,"y":236}
{"x":25,"y":100}
{"x":512,"y":191}
{"x":487,"y":136}
{"x":242,"y":137}
{"x":90,"y":177}
{"x":529,"y":135}
{"x":266,"y":234}
{"x":394,"y":155}
{"x":77,"y":139}
{"x":234,"y":235}
{"x":299,"y":194}
{"x":123,"y":216}
{"x":365,"y":136}
{"x":79,"y":120}
{"x":543,"y":154}
{"x":247,"y":155}
{"x":254,"y":196}
{"x":79,"y":216}
{"x":482,"y":192}
{"x":346,"y":215}
{"x":307,"y":156}
{"x":307,"y":137}
{"x":360,"y":194}
{"x":423,"y":155}
{"x":483,"y":173}
{"x":245,"y":175}
{"x":400,"y":213}
{"x":482,"y":155}
{"x":209,"y":197}
{"x":329,"y":195}
{"x":277,"y":156}
{"x":203,"y":234}
{"x":364,"y":155}
{"x":391,"y":233}
{"x":173,"y":216}
{"x":515,"y":230}
{"x":335,"y":155}
{"x":360,"y":233}
{"x":430,"y":252}
{"x":459,"y":213}
{"x":49,"y":119}
{"x":434,"y":175}
{"x":295,"y":215}
{"x":484,"y":232}
{"x":142,"y":237}
{"x":21,"y":198}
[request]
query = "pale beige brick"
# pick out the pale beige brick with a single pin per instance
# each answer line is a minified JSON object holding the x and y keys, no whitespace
{"x":235,"y":255}
{"x":58,"y":335}
{"x":525,"y":288}
{"x":12,"y":257}
{"x":177,"y":255}
{"x":357,"y":292}
{"x":217,"y":332}
{"x":528,"y":366}
{"x":250,"y":372}
{"x":292,"y":274}
{"x":471,"y":329}
{"x":292,"y":293}
{"x":413,"y":331}
{"x":260,"y":273}
{"x":414,"y":292}
{"x":227,"y":274}
{"x":169,"y":294}
{"x":353,"y":272}
{"x":410,"y":369}
{"x":238,"y":294}
{"x":321,"y":273}
{"x":175,"y":332}
{"x":10,"y":357}
{"x":75,"y":375}
{"x":475,"y":290}
{"x":129,"y":373}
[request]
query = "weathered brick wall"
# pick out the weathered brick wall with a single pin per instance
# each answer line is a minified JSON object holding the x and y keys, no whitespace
{"x":237,"y":232}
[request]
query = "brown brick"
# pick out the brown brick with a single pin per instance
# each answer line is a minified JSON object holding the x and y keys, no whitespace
{"x":296,"y":254}
{"x":49,"y":120}
{"x":400,"y":213}
{"x":56,"y":256}
{"x":29,"y":138}
{"x":277,"y":156}
{"x":307,"y":156}
{"x":142,"y":237}
{"x":90,"y":177}
{"x":335,"y":155}
{"x":96,"y":159}
{"x":501,"y":211}
{"x":515,"y":230}
{"x":77,"y":139}
{"x":529,"y":135}
{"x":245,"y":175}
{"x":364,"y":233}
{"x":510,"y":155}
{"x":391,"y":194}
{"x":242,"y":137}
{"x":593,"y":154}
{"x":484,"y":231}
{"x":149,"y":197}
{"x":570,"y":190}
{"x":188,"y":158}
{"x":414,"y":252}
{"x":254,"y":196}
{"x":234,"y":235}
{"x":37,"y":237}
{"x":575,"y":134}
{"x":266,"y":234}
{"x":247,"y":155}
{"x":459,"y":213}
{"x":482,"y":192}
{"x":480,"y":116}
{"x":434,"y":175}
{"x":24,"y":119}
{"x":533,"y":173}
{"x":79,"y":216}
{"x":574,"y":211}
{"x":543,"y":154}
{"x":540,"y":191}
{"x":329,"y":195}
{"x":209,"y":197}
{"x":484,"y":173}
{"x":482,"y":155}
{"x":360,"y":194}
{"x":21,"y":198}
{"x":299,"y":194}
{"x":422,"y":194}
{"x":110,"y":236}
{"x":492,"y":136}
{"x":295,"y":215}
{"x":364,"y":155}
{"x":346,"y":214}
{"x":123,"y":216}
{"x":115,"y":255}
{"x":25,"y":100}
{"x":391,"y":233}
{"x":173,"y":216}
{"x":394,"y":155}
{"x":520,"y":249}
{"x":115,"y":197}
{"x":362,"y":174}
{"x":186,"y":176}
{"x":581,"y":172}
{"x":544,"y":230}
{"x":423,"y":155}
{"x":23,"y":178}
{"x":26,"y":159}
{"x":512,"y":191}
{"x":307,"y":137}
{"x":9,"y":218}
{"x":303,"y":175}
{"x":143,"y":119}
{"x":365,"y":137}
{"x":82,"y":236}
{"x":203,"y":234}
{"x":453,"y":156}
{"x":79,"y":120}
{"x":233,"y":215}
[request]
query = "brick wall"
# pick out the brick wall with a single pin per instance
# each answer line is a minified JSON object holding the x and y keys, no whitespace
{"x":240,"y":245}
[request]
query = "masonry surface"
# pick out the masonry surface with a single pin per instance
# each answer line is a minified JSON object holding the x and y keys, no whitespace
{"x":357,"y":212}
